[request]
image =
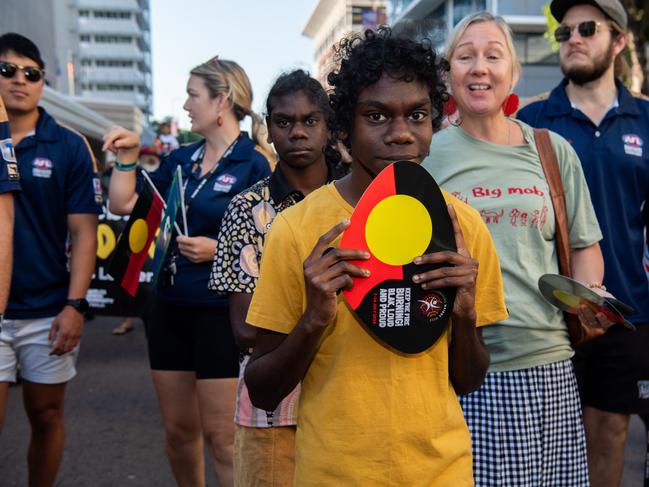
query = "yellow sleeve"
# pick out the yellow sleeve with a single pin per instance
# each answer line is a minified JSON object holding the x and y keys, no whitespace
{"x":278,"y":301}
{"x":490,"y":296}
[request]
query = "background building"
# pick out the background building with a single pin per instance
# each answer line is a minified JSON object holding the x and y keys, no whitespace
{"x":435,"y":19}
{"x":104,"y":50}
{"x":333,"y":19}
{"x":97,"y":57}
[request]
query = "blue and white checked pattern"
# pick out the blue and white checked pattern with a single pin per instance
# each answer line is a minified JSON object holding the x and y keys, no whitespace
{"x":527,"y":430}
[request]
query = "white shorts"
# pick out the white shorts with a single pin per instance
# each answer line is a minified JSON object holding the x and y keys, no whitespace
{"x":23,"y":343}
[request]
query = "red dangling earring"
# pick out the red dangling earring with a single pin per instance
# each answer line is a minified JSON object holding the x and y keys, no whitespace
{"x":511,"y":104}
{"x":450,"y":107}
{"x":219,"y":120}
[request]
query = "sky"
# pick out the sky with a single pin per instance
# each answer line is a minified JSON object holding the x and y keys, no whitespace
{"x":263,"y":36}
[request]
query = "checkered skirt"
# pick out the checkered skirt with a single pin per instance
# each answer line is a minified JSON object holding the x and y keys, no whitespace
{"x":526,"y":429}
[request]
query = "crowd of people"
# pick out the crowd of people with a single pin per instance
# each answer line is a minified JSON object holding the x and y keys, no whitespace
{"x":260,"y":359}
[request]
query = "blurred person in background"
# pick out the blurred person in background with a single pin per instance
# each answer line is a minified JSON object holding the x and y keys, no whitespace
{"x":168,"y":141}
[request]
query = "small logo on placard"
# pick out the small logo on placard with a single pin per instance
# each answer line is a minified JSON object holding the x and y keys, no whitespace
{"x":7,"y":148}
{"x":432,"y":305}
{"x":42,"y":167}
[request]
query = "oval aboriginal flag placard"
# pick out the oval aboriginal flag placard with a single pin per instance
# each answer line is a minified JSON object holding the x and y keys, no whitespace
{"x":401,"y":215}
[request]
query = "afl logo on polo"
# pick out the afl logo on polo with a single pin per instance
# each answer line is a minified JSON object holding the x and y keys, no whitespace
{"x":432,"y":305}
{"x":224,"y":182}
{"x":632,"y":145}
{"x":42,"y":167}
{"x":632,"y":139}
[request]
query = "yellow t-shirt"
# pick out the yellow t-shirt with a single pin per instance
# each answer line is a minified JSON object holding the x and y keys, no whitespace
{"x":369,"y":416}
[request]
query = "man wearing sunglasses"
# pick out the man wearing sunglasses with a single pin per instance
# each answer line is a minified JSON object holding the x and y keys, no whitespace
{"x":609,"y":128}
{"x":58,"y":207}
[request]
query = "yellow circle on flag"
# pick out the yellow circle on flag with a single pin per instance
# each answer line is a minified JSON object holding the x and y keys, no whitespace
{"x":566,"y":298}
{"x":398,"y":229}
{"x":137,"y":237}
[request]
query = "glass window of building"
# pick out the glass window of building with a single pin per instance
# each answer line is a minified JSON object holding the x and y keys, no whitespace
{"x":109,"y":14}
{"x":397,"y":7}
{"x":533,"y":48}
{"x":114,"y":63}
{"x":436,"y":26}
{"x":521,"y":7}
{"x":462,"y":8}
{"x":368,"y":17}
{"x":113,"y":39}
{"x":114,"y":87}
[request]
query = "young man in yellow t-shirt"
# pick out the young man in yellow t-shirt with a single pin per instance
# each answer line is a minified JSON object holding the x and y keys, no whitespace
{"x":368,"y":415}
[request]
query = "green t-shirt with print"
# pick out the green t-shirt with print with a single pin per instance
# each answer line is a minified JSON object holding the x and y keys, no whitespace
{"x":507,"y":186}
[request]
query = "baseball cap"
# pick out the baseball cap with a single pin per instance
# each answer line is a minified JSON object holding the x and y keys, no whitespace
{"x":613,"y":9}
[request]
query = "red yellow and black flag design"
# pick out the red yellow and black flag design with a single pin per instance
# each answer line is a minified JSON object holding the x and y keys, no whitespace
{"x":133,"y":245}
{"x":401,"y":215}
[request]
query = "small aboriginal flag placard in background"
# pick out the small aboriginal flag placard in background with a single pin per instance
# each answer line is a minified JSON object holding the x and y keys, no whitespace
{"x":131,"y":251}
{"x":402,"y":214}
{"x":569,"y":295}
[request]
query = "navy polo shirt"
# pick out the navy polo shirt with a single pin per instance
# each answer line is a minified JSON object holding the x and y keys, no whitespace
{"x":615,"y":159}
{"x":57,"y":173}
{"x":9,"y":178}
{"x":244,"y":166}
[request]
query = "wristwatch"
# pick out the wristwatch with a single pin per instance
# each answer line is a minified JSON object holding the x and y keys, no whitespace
{"x":81,"y":305}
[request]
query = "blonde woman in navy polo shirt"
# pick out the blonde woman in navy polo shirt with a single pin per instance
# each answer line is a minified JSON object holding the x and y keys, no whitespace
{"x":193,"y":355}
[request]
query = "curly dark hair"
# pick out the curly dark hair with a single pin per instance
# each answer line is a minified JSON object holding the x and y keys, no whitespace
{"x":300,"y":81}
{"x":365,"y":57}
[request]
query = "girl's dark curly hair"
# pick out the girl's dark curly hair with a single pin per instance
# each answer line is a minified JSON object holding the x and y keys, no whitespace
{"x":365,"y":57}
{"x":299,"y":80}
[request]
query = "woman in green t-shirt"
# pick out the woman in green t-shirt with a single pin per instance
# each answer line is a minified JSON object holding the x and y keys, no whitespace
{"x":525,"y":420}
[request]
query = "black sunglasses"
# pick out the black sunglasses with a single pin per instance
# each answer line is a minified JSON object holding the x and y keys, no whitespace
{"x":32,"y":74}
{"x":585,"y":29}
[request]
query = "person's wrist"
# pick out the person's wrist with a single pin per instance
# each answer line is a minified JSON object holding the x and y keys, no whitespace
{"x":313,"y":322}
{"x":465,"y":319}
{"x":125,"y":166}
{"x":80,"y":305}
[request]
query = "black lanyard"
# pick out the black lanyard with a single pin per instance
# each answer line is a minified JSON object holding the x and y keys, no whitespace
{"x":171,"y":267}
{"x":206,"y":177}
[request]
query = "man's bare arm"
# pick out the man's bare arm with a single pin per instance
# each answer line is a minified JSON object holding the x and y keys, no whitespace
{"x":68,"y":324}
{"x":6,"y":246}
